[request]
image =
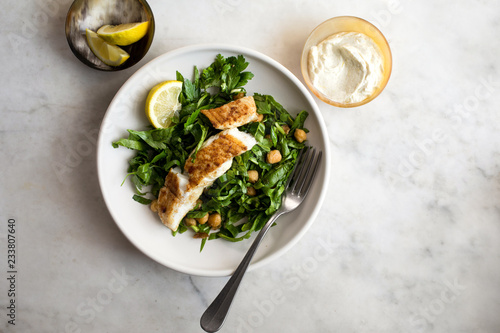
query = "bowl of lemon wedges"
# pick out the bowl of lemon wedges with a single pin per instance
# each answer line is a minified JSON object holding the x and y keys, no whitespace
{"x":110,"y":35}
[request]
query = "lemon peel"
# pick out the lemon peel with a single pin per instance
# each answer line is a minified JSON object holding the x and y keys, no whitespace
{"x":123,"y":34}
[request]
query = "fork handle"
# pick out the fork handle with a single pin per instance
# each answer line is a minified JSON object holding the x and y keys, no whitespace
{"x":214,"y":316}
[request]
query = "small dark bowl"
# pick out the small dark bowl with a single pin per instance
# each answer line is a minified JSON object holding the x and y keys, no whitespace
{"x":92,"y":14}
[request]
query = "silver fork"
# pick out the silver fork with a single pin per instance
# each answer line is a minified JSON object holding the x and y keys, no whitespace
{"x":297,"y":187}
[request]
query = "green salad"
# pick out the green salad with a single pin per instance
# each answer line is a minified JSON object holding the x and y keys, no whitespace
{"x":159,"y":150}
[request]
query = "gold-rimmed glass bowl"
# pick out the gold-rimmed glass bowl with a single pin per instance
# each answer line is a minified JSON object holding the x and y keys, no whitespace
{"x":346,"y":24}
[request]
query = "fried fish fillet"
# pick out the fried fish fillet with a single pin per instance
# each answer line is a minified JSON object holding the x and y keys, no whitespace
{"x":233,"y":114}
{"x":213,"y":159}
{"x":216,"y":156}
{"x":175,"y":200}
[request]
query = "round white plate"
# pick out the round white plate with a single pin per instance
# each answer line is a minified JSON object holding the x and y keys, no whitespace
{"x":143,"y":227}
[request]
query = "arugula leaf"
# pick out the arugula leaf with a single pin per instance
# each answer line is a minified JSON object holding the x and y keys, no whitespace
{"x":149,"y":138}
{"x":200,"y":134}
{"x":299,"y":120}
{"x":127,"y":143}
{"x":141,"y":200}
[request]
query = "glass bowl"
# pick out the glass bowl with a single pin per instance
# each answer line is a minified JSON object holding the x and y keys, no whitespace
{"x":346,"y":24}
{"x":92,"y":14}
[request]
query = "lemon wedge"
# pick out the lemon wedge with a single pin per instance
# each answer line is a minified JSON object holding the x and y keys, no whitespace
{"x":123,"y":34}
{"x":163,"y":102}
{"x":109,"y":54}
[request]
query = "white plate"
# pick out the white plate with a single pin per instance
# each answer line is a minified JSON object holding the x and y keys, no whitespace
{"x":141,"y":226}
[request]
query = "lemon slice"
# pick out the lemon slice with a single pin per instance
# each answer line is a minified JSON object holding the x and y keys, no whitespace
{"x":109,"y":54}
{"x":123,"y":34}
{"x":163,"y":102}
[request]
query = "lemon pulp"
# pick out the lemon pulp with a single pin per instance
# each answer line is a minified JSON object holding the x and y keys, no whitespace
{"x":109,"y":54}
{"x":163,"y":102}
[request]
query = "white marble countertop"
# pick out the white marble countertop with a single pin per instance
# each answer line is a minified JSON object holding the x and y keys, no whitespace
{"x":408,"y":239}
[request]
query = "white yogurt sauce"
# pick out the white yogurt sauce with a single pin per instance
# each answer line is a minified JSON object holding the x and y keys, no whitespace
{"x":346,"y":67}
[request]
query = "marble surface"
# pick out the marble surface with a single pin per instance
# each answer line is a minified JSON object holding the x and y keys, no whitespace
{"x":407,"y":241}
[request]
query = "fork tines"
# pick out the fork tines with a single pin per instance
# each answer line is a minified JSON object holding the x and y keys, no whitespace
{"x":307,"y":164}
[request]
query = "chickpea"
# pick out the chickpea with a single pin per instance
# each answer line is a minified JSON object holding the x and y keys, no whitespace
{"x":300,"y":135}
{"x":199,"y":202}
{"x":154,"y":206}
{"x":189,"y":222}
{"x":203,"y":220}
{"x":274,"y":156}
{"x":251,"y":191}
{"x":214,"y":220}
{"x":253,"y":176}
{"x":239,"y":95}
{"x":260,"y":117}
{"x":286,"y":128}
{"x":200,"y":235}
